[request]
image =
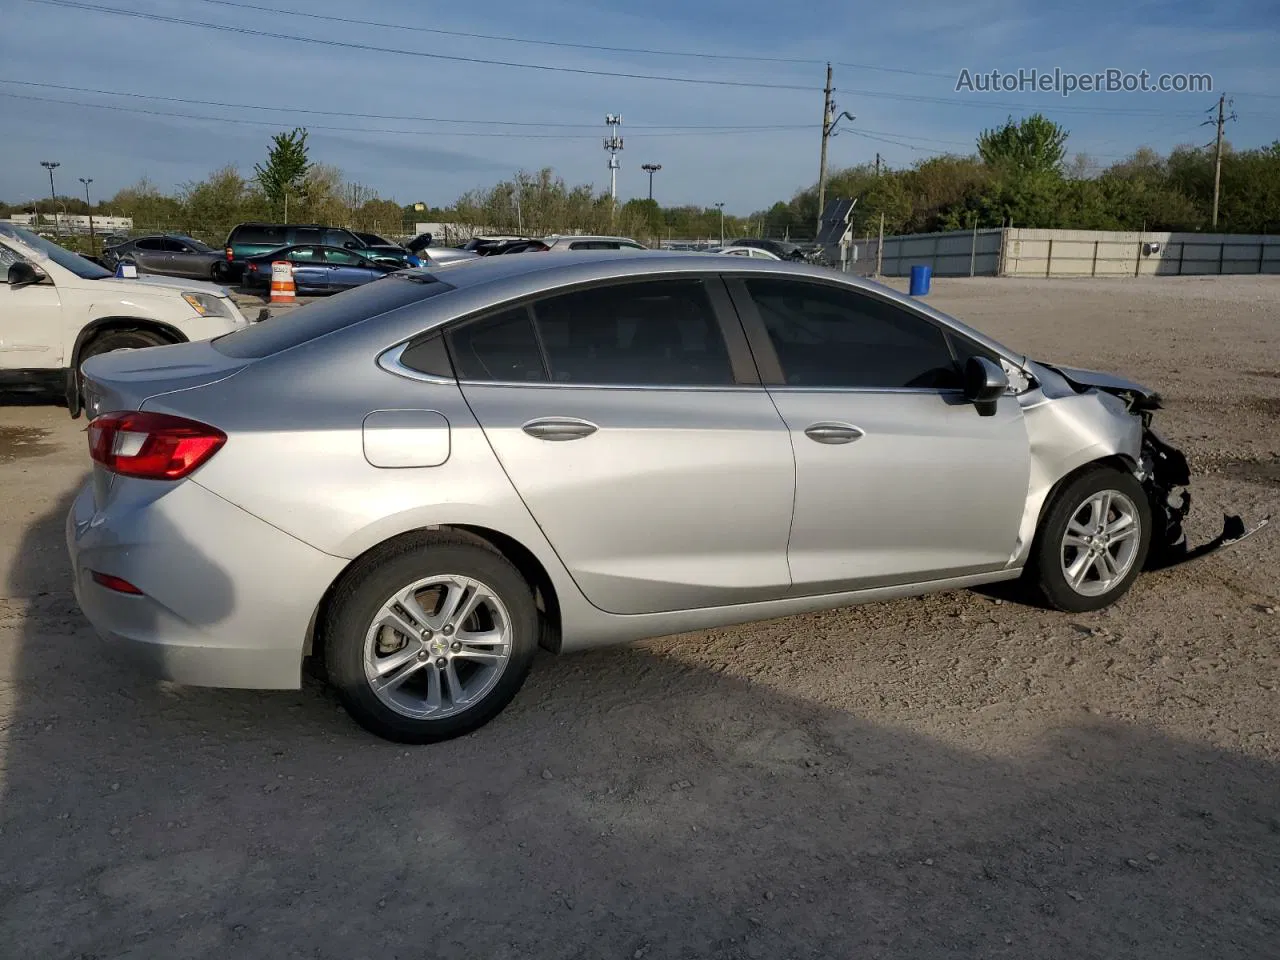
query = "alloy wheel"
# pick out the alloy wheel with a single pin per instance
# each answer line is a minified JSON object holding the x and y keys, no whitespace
{"x":437,"y":647}
{"x":1100,"y":543}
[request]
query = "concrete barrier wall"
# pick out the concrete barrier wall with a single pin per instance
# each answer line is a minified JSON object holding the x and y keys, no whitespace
{"x":1021,"y":252}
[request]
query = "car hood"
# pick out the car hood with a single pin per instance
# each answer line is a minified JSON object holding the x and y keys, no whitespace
{"x":1139,"y":396}
{"x":173,"y":283}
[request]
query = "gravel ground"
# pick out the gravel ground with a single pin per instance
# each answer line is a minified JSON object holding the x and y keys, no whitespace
{"x":954,"y":776}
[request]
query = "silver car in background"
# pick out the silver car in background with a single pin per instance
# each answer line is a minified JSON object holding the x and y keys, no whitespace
{"x":421,"y":481}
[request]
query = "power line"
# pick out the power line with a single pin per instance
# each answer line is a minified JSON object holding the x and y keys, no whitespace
{"x":373,"y":48}
{"x":391,"y":116}
{"x":602,"y":48}
{"x":581,"y":71}
{"x":412,"y":133}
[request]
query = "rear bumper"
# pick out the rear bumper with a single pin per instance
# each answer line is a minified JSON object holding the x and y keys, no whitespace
{"x":227,"y":600}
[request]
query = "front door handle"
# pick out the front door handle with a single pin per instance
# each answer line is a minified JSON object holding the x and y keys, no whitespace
{"x":559,"y":428}
{"x":834,"y":431}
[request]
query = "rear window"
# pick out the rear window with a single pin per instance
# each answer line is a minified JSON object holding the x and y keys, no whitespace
{"x":258,"y":234}
{"x":318,"y":319}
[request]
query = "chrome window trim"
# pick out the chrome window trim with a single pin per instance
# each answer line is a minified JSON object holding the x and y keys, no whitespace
{"x":544,"y":384}
{"x":389,"y":360}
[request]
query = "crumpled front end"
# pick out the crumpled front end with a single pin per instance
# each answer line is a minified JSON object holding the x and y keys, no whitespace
{"x":1164,"y":473}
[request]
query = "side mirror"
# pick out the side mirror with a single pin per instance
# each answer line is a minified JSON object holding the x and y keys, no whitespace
{"x":23,"y":274}
{"x":985,"y":382}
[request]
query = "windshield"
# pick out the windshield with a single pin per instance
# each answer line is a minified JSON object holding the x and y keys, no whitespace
{"x":82,"y":268}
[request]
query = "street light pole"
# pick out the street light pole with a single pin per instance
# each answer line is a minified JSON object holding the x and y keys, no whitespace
{"x":93,"y":241}
{"x":651,"y":169}
{"x":50,"y":165}
{"x":720,"y":207}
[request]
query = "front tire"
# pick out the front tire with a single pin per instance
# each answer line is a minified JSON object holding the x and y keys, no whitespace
{"x":114,"y":340}
{"x":1092,"y":542}
{"x":430,"y":639}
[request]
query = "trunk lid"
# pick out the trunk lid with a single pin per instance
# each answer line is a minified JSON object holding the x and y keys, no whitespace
{"x":126,"y":379}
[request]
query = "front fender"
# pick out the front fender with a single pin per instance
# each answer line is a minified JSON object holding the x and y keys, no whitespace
{"x":1066,"y":433}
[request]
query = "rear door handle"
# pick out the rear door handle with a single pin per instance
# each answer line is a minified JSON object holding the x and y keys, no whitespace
{"x":834,"y":431}
{"x":559,"y":428}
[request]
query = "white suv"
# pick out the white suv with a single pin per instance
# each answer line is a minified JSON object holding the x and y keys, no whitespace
{"x":57,"y":309}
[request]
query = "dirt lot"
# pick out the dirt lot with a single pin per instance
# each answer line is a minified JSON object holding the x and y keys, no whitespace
{"x":954,"y":776}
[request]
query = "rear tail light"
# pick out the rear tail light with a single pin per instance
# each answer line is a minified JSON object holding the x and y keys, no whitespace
{"x":118,"y":584}
{"x":230,"y":255}
{"x":252,"y":267}
{"x":152,"y":446}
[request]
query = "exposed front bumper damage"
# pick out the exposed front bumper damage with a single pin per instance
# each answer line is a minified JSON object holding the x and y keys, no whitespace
{"x":1165,"y":475}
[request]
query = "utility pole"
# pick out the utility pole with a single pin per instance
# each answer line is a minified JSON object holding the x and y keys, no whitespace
{"x":829,"y":120}
{"x":1223,"y":117}
{"x":650,"y":169}
{"x":826,"y":135}
{"x":877,"y":164}
{"x":720,"y":207}
{"x":51,"y":165}
{"x":93,"y":241}
{"x":613,"y":144}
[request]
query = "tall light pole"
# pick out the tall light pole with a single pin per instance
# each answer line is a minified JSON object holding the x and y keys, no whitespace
{"x":720,"y":207}
{"x":51,"y":165}
{"x":650,"y":169}
{"x":93,"y":243}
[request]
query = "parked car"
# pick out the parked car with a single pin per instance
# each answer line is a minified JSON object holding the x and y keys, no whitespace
{"x":782,"y":249}
{"x":756,"y":252}
{"x":396,"y":479}
{"x":254,"y":239}
{"x":559,"y":244}
{"x":524,"y":246}
{"x":445,"y":256}
{"x":488,"y":245}
{"x":170,"y":255}
{"x":318,"y":269}
{"x":57,"y":309}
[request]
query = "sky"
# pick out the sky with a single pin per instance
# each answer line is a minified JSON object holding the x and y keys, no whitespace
{"x":895,"y":69}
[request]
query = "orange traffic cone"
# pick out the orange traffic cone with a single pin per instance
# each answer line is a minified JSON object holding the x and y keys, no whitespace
{"x":282,"y":286}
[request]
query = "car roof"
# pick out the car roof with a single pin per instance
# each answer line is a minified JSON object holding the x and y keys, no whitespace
{"x":516,"y":277}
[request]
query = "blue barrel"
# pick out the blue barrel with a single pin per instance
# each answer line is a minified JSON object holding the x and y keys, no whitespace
{"x":920,"y":277}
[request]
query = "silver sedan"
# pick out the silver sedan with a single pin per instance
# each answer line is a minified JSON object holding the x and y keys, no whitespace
{"x":421,"y":481}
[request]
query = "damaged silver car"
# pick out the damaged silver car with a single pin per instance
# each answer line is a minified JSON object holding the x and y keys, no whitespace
{"x":421,"y":481}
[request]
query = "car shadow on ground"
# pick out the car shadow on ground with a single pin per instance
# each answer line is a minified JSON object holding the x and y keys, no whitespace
{"x":629,"y":804}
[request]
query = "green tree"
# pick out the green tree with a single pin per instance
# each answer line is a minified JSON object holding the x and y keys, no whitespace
{"x":286,"y":168}
{"x":1034,"y":144}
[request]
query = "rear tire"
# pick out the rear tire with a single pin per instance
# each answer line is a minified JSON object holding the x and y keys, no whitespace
{"x":1092,"y":542}
{"x":403,"y":668}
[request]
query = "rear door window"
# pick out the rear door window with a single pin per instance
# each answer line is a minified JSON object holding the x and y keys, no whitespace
{"x":337,"y":238}
{"x":500,"y":348}
{"x":153,"y":244}
{"x":594,"y":245}
{"x":308,"y":235}
{"x":649,"y":332}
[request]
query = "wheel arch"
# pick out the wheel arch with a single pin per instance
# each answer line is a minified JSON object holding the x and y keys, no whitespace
{"x":102,"y":325}
{"x":1115,"y":461}
{"x":97,"y":327}
{"x":521,"y":557}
